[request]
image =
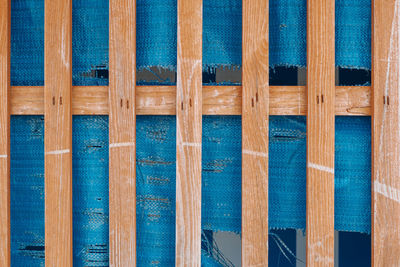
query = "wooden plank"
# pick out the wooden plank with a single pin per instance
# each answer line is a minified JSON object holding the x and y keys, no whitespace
{"x":5,"y":21}
{"x":255,"y":117}
{"x":188,"y":129}
{"x":320,"y":132}
{"x":58,"y":132}
{"x":385,"y":138}
{"x":217,"y":100}
{"x":122,"y":179}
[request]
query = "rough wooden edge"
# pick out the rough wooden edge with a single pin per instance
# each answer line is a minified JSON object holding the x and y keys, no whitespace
{"x":385,"y":182}
{"x":122,"y":131}
{"x":320,"y":132}
{"x":5,"y":21}
{"x":217,"y":100}
{"x":255,"y":116}
{"x":189,"y":133}
{"x":58,"y":132}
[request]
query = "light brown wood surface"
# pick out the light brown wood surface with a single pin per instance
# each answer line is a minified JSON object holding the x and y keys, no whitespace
{"x":386,"y":134}
{"x":217,"y":100}
{"x":320,"y":132}
{"x":58,"y":132}
{"x":188,"y":133}
{"x":122,"y":157}
{"x":255,"y":107}
{"x":5,"y":21}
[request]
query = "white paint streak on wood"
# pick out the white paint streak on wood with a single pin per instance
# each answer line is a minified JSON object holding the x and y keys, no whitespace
{"x":125,"y":144}
{"x":387,"y":191}
{"x":58,"y":152}
{"x":3,"y":156}
{"x":191,"y":144}
{"x":320,"y":167}
{"x":255,"y":153}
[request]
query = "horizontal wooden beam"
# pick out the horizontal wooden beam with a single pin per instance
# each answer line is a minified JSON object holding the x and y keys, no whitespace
{"x":217,"y":100}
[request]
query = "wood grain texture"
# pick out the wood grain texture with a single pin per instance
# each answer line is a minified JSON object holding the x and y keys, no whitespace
{"x":188,"y":133}
{"x":217,"y":100}
{"x":122,"y":131}
{"x":320,"y":132}
{"x":386,"y":133}
{"x":58,"y":132}
{"x":255,"y":109}
{"x":5,"y":21}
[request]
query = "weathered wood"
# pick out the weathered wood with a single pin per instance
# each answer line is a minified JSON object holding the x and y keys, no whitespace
{"x":255,"y":117}
{"x":5,"y":21}
{"x":386,"y":129}
{"x":58,"y":132}
{"x":217,"y":100}
{"x":122,"y":178}
{"x":320,"y":132}
{"x":188,"y":129}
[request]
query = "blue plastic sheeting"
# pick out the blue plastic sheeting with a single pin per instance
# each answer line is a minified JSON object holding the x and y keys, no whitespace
{"x":221,"y":172}
{"x":353,"y":34}
{"x":27,"y":42}
{"x":157,"y":38}
{"x":222,"y":34}
{"x":90,"y":190}
{"x":288,"y":30}
{"x":27,"y":191}
{"x":90,"y":42}
{"x":155,"y":190}
{"x":156,"y":165}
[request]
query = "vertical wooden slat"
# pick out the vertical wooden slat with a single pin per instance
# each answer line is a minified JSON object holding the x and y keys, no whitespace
{"x":386,"y":133}
{"x":188,"y":144}
{"x":122,"y":179}
{"x":58,"y":132}
{"x":255,"y":113}
{"x":5,"y":21}
{"x":320,"y":131}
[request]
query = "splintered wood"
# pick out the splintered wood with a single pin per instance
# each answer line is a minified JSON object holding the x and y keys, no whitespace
{"x":188,"y":133}
{"x":320,"y":132}
{"x":386,"y":134}
{"x":5,"y":22}
{"x":255,"y":107}
{"x":122,"y":147}
{"x":58,"y":132}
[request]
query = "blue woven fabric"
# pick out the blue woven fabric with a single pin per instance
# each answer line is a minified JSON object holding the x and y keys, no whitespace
{"x":287,"y":37}
{"x":353,"y":174}
{"x":90,"y":190}
{"x":155,"y":190}
{"x":157,"y":37}
{"x":222,"y":33}
{"x":27,"y":42}
{"x":90,"y":42}
{"x":27,"y":191}
{"x":221,"y":172}
{"x":353,"y":33}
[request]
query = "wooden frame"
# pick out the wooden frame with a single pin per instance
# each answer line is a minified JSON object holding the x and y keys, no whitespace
{"x":385,"y":204}
{"x":58,"y":132}
{"x":5,"y":25}
{"x":122,"y":131}
{"x":320,"y":100}
{"x":320,"y":132}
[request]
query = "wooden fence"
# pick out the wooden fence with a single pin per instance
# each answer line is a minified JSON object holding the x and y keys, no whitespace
{"x":255,"y":100}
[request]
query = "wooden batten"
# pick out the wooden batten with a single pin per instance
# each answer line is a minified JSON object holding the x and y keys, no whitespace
{"x":255,"y":109}
{"x":188,"y":133}
{"x":320,"y":132}
{"x":217,"y":100}
{"x":58,"y":132}
{"x":5,"y":21}
{"x":122,"y":131}
{"x":385,"y":200}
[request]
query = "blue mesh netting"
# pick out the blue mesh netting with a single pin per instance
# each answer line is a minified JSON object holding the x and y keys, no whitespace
{"x":156,"y":36}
